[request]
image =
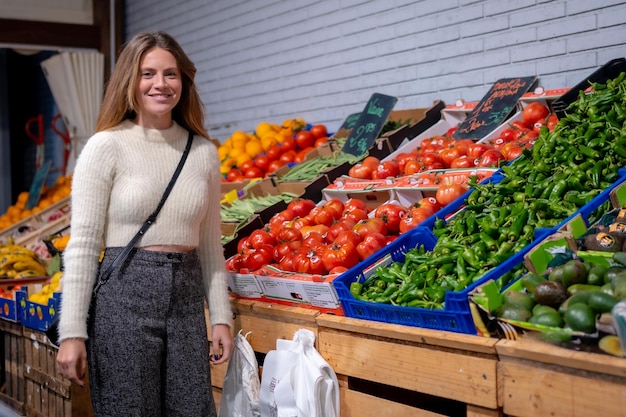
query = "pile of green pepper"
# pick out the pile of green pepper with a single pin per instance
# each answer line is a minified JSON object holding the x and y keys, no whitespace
{"x":564,"y":170}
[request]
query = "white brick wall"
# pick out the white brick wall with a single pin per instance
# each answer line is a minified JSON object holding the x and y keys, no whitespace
{"x":268,"y":60}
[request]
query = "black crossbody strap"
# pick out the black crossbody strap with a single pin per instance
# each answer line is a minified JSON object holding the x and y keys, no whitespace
{"x":146,"y":225}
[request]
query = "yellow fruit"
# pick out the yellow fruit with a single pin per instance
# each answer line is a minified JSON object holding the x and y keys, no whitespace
{"x":222,"y":152}
{"x":254,"y":148}
{"x":264,"y":128}
{"x":239,"y":139}
{"x":268,"y":141}
{"x":61,"y":242}
{"x":244,"y":157}
{"x":235,"y":152}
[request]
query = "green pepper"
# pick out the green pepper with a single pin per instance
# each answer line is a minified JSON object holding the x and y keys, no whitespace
{"x":355,"y":289}
{"x":470,"y":257}
{"x":488,"y":241}
{"x":557,"y":190}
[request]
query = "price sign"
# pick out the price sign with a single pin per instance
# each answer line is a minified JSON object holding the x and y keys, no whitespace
{"x":369,"y":124}
{"x":494,"y":108}
{"x":37,"y":185}
{"x":350,"y":121}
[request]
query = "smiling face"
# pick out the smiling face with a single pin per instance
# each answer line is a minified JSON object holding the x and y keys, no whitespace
{"x":159,"y":89}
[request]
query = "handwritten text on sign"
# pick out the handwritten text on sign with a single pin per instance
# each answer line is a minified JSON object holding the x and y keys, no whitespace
{"x":493,"y":109}
{"x":369,"y":124}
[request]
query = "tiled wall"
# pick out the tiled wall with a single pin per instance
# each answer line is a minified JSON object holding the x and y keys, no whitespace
{"x":268,"y":60}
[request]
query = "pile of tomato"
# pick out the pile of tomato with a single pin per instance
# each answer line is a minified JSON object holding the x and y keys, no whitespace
{"x":291,"y":150}
{"x":444,"y":152}
{"x":326,"y":238}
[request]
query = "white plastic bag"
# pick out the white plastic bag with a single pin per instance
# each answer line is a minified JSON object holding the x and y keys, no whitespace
{"x":297,"y":381}
{"x":240,"y":393}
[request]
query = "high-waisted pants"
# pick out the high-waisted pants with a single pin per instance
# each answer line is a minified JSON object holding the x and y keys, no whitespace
{"x":148,"y":353}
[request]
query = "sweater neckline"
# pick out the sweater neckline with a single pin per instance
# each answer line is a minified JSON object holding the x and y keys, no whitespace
{"x":171,"y":134}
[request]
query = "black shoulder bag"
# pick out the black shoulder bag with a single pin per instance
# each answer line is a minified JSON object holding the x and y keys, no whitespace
{"x":53,"y":330}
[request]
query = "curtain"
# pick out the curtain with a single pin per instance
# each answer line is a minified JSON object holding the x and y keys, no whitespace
{"x":76,"y":80}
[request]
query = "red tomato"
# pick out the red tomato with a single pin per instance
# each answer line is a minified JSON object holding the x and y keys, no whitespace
{"x":347,"y":236}
{"x":234,"y":175}
{"x":338,"y":270}
{"x":340,"y":226}
{"x":553,"y":119}
{"x":432,"y":158}
{"x":462,"y":161}
{"x":301,"y":154}
{"x":326,"y":215}
{"x":430,"y":204}
{"x":355,"y":214}
{"x":243,"y":244}
{"x":288,"y":144}
{"x":258,"y":258}
{"x":361,"y":172}
{"x":260,"y":237}
{"x":301,"y":206}
{"x":273,"y":152}
{"x":354,"y":203}
{"x":448,"y":193}
{"x":386,"y":169}
{"x":450,"y":154}
{"x":314,"y":240}
{"x":283,"y":249}
{"x":414,"y":166}
{"x":320,"y":141}
{"x":300,"y":222}
{"x":534,"y":112}
{"x":253,"y":172}
{"x":477,"y":149}
{"x":508,"y":134}
{"x":512,"y":150}
{"x":262,"y":162}
{"x":287,"y":156}
{"x":344,"y":255}
{"x":391,"y":214}
{"x":310,"y":261}
{"x":403,"y":158}
{"x":286,"y":262}
{"x":371,"y":244}
{"x":304,"y":139}
{"x":246,"y":165}
{"x":315,"y":228}
{"x":235,"y":263}
{"x":489,"y":159}
{"x":335,"y":203}
{"x":274,"y":165}
{"x":371,"y":161}
{"x":319,"y":131}
{"x":369,"y":225}
{"x":288,"y":234}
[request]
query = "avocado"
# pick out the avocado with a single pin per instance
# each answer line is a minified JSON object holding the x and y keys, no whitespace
{"x":580,"y":297}
{"x":601,"y":302}
{"x":530,"y":281}
{"x":580,"y":317}
{"x":514,"y":312}
{"x":574,"y":272}
{"x":552,"y":319}
{"x":519,"y":298}
{"x":541,"y":309}
{"x":550,"y":293}
{"x":596,"y":274}
{"x":557,"y":273}
{"x":614,"y":272}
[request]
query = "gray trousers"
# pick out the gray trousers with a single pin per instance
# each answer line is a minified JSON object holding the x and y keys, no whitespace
{"x":148,"y":352}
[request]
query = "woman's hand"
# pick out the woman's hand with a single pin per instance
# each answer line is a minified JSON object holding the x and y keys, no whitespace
{"x":72,"y":360}
{"x":222,"y":344}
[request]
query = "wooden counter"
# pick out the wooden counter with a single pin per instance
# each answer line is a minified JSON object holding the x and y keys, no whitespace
{"x":538,"y":379}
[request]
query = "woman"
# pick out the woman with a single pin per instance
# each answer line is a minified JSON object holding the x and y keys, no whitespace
{"x":147,"y":346}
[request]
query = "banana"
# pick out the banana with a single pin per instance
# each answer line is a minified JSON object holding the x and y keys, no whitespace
{"x":27,"y":273}
{"x":28,"y":264}
{"x":12,"y":259}
{"x":16,"y":249}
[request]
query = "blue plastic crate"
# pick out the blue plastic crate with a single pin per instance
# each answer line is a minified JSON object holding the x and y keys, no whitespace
{"x":457,"y":320}
{"x":37,"y":316}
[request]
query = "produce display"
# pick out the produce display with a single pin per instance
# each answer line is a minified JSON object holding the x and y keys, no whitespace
{"x":18,"y":211}
{"x":17,"y":261}
{"x":255,"y":155}
{"x":563,"y":171}
{"x":325,"y":238}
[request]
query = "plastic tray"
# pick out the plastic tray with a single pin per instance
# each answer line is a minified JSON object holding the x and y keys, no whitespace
{"x":37,"y":316}
{"x":456,"y":317}
{"x":606,"y":72}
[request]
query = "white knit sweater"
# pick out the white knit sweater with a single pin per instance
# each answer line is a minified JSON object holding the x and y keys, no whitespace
{"x":118,"y":181}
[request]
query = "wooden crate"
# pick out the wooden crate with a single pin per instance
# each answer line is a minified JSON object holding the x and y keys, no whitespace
{"x":394,"y":370}
{"x":13,"y":390}
{"x":539,"y":379}
{"x":48,"y":394}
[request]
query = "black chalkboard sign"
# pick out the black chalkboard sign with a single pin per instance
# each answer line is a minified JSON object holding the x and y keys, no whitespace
{"x":37,"y":184}
{"x":369,"y":124}
{"x":350,"y":121}
{"x":494,"y":108}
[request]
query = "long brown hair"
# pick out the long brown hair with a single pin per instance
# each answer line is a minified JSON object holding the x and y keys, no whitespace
{"x":119,"y":101}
